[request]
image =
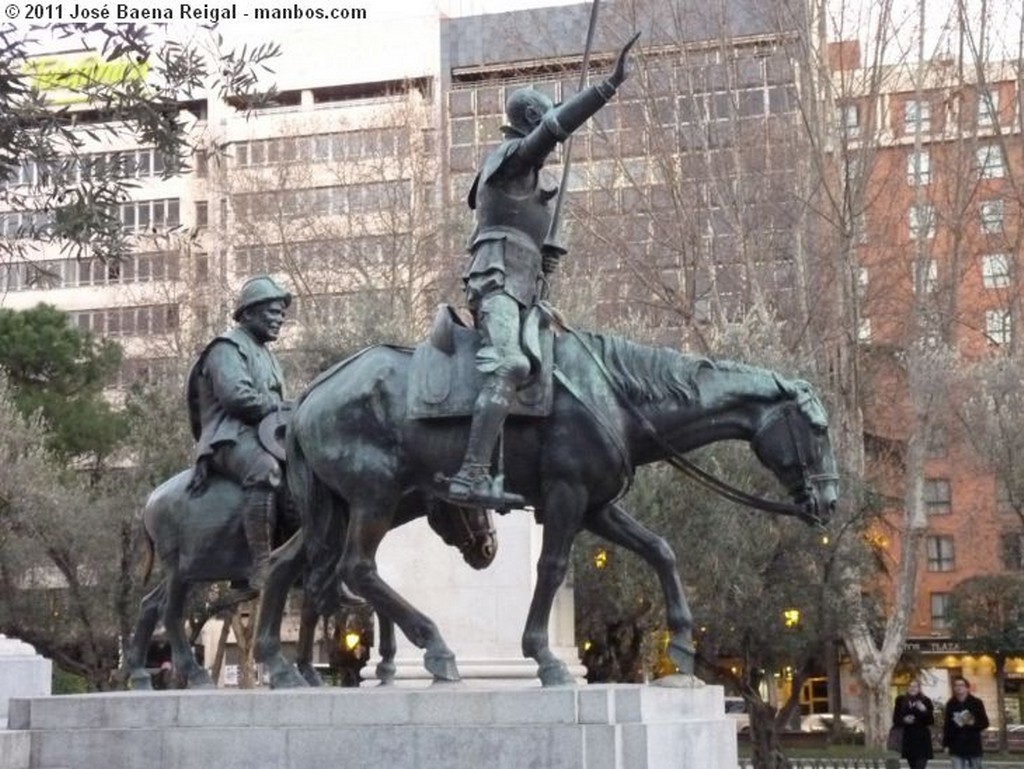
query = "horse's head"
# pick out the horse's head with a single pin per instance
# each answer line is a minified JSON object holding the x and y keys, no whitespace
{"x":792,"y":441}
{"x":471,"y":530}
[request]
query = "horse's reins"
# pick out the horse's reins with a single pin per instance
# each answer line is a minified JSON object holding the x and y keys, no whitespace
{"x":686,"y":466}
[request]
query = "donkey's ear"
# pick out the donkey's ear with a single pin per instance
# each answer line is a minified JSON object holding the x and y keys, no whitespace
{"x":787,"y":387}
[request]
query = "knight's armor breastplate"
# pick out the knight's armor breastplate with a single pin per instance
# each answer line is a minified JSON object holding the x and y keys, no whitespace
{"x":516,"y":206}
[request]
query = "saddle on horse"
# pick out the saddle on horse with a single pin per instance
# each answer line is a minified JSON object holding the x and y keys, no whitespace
{"x":444,"y":380}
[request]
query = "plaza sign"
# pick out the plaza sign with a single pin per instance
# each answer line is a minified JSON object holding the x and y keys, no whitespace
{"x":932,"y":646}
{"x":68,"y":78}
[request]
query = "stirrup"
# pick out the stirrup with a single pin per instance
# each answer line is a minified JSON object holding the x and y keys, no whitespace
{"x":475,"y":488}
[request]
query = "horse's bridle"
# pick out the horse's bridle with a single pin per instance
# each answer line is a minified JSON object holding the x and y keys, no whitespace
{"x":808,"y":511}
{"x":803,"y":487}
{"x":455,"y":529}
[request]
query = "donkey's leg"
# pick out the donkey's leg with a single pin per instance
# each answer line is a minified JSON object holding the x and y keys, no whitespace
{"x":620,"y":528}
{"x":564,"y":505}
{"x":149,"y":614}
{"x":286,"y":564}
{"x":307,"y":633}
{"x":369,"y":521}
{"x":182,"y":658}
{"x":387,"y":648}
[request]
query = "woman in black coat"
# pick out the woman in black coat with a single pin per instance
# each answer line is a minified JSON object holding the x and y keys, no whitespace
{"x":915,"y":714}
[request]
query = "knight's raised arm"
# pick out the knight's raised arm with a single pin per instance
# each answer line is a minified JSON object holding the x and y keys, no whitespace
{"x":557,"y":124}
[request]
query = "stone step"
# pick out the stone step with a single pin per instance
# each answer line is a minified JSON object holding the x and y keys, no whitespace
{"x":600,"y":704}
{"x":449,"y":727}
{"x":15,"y":749}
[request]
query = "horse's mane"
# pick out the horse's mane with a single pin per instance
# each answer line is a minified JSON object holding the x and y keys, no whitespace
{"x":647,"y":374}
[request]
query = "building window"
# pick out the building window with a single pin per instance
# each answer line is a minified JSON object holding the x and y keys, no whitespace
{"x":992,"y":217}
{"x":849,"y":120}
{"x":940,"y":610}
{"x":926,"y":275}
{"x":988,"y":108}
{"x":860,"y":228}
{"x":940,"y":554}
{"x":998,"y":326}
{"x":922,"y":222}
{"x":995,"y":270}
{"x":937,"y":496}
{"x":917,"y":116}
{"x":937,"y":446}
{"x":1011,"y":550}
{"x":202,"y":213}
{"x":919,"y":168}
{"x":862,"y":283}
{"x":864,"y":330}
{"x":142,"y":215}
{"x":989,"y":162}
{"x":1005,"y":500}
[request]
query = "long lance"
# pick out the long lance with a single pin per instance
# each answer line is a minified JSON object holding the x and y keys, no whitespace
{"x":551,"y":240}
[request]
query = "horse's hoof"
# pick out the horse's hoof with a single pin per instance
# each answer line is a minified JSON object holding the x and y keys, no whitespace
{"x":442,"y":666}
{"x":555,"y":674}
{"x":682,"y":655}
{"x":310,"y":675}
{"x":201,"y":680}
{"x":141,"y":682}
{"x":679,"y":681}
{"x":386,"y":673}
{"x":288,"y":678}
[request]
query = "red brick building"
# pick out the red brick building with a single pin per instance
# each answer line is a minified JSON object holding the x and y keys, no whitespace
{"x":939,"y":229}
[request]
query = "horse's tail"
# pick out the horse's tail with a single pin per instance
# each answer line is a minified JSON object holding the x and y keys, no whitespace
{"x":323,"y":517}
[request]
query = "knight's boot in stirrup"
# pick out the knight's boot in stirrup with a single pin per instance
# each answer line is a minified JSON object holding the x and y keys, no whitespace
{"x":472,"y":485}
{"x":259,"y":504}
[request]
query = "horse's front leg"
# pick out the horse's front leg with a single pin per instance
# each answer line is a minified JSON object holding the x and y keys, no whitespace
{"x":307,"y":634}
{"x":182,"y":659}
{"x":563,"y":509}
{"x":286,"y":563}
{"x":387,"y":648}
{"x":368,"y":522}
{"x":149,"y":614}
{"x":617,"y":526}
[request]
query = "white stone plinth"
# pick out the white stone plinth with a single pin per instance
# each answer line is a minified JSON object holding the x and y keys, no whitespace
{"x":23,"y":673}
{"x":463,"y":726}
{"x":481,"y":614}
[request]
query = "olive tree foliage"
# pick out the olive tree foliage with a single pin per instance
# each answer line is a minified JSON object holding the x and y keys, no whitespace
{"x":139,"y":90}
{"x":60,"y":372}
{"x":51,"y":590}
{"x":74,"y":476}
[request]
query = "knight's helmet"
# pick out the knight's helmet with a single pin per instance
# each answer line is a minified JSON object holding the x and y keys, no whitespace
{"x":256,"y":290}
{"x":524,"y":110}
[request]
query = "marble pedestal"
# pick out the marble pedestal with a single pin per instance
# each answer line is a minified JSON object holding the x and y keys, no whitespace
{"x":23,"y":673}
{"x":481,"y":614}
{"x":442,"y":727}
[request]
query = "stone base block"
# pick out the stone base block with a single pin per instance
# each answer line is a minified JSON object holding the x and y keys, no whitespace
{"x":442,"y":727}
{"x":23,"y":673}
{"x":15,"y":748}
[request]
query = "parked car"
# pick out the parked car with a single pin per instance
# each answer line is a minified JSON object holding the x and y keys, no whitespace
{"x":822,"y":722}
{"x":736,"y":709}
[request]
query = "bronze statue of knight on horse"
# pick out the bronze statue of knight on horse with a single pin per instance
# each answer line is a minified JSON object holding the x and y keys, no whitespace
{"x":503,"y":416}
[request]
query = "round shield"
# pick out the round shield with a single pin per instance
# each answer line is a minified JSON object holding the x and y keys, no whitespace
{"x":272,"y":430}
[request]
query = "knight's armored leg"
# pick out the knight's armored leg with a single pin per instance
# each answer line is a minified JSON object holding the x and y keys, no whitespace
{"x":502,"y":359}
{"x":492,"y":406}
{"x":257,"y":513}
